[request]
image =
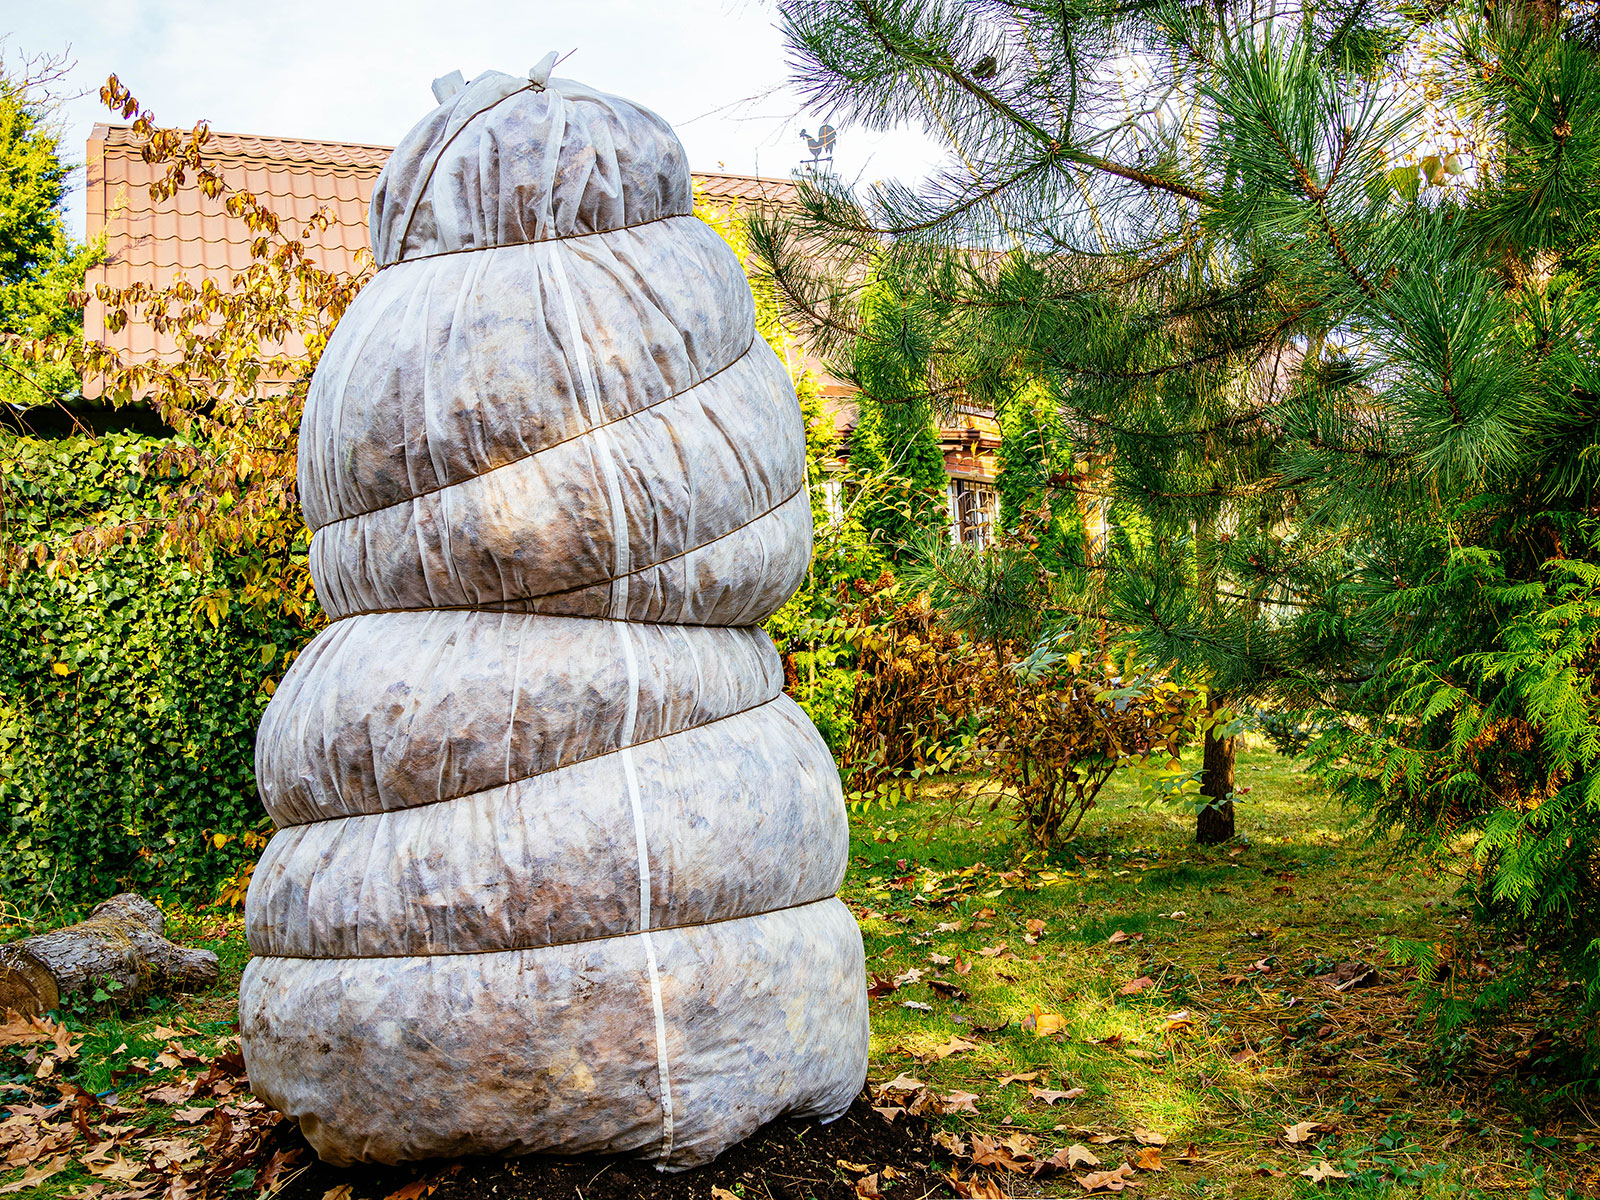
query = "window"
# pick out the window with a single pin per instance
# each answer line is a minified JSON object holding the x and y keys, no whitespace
{"x":974,"y":513}
{"x":833,"y":500}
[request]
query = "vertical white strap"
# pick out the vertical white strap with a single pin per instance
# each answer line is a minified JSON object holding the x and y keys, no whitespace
{"x":618,"y":606}
{"x":661,"y":1050}
{"x":630,"y":719}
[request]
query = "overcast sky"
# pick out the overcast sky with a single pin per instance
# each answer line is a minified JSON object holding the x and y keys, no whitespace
{"x":359,"y":70}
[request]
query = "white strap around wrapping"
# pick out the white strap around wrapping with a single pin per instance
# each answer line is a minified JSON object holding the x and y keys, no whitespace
{"x":629,"y":721}
{"x":590,"y":400}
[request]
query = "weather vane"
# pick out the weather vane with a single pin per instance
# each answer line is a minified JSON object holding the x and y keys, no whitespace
{"x":821,"y":147}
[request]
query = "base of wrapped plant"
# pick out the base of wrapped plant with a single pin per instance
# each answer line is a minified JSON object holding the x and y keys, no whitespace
{"x":785,"y":1160}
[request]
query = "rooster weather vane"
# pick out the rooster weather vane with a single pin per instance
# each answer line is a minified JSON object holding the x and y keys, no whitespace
{"x":821,"y":146}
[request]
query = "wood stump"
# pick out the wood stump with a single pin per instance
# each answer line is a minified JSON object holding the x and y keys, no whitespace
{"x":121,"y":942}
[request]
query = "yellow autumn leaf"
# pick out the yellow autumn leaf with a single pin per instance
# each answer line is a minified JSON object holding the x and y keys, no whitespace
{"x":1043,"y":1023}
{"x":61,"y":668}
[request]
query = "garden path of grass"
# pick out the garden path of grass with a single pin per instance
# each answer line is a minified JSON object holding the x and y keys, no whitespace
{"x":973,"y":939}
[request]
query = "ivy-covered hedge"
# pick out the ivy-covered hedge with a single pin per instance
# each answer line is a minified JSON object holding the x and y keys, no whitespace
{"x":130,"y":688}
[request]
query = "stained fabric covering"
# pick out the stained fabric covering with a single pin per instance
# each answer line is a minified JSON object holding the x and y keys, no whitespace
{"x":556,"y":857}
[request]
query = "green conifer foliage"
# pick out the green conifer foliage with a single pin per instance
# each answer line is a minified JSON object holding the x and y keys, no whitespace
{"x":895,"y":435}
{"x":40,"y":265}
{"x":1035,"y":453}
{"x":1316,"y":286}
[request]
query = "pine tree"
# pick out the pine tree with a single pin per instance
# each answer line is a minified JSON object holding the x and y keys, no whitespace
{"x":1337,"y":356}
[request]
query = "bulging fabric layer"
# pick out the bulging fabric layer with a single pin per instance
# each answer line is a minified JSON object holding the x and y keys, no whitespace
{"x":506,"y":161}
{"x":673,"y":1044}
{"x":556,"y":858}
{"x":445,"y":368}
{"x":405,"y":709}
{"x":586,"y":511}
{"x":736,"y":817}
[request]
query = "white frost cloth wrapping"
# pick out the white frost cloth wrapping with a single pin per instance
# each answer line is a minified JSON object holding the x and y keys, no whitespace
{"x":556,"y":858}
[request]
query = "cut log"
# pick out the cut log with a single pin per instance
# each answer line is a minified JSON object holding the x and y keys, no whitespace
{"x":120,"y":943}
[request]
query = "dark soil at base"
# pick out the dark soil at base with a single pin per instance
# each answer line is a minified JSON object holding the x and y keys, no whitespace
{"x":786,"y":1160}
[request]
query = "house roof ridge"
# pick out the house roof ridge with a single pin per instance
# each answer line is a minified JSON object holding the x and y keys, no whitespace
{"x":225,"y":144}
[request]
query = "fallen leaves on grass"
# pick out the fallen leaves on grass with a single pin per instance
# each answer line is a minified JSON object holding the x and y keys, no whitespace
{"x":1149,"y":1159}
{"x":956,"y":1045}
{"x":1136,"y":986}
{"x":33,"y":1176}
{"x":1347,"y":975}
{"x":974,"y":1189}
{"x":905,"y":1094}
{"x":958,"y":1101}
{"x":1014,"y":1154}
{"x":19,"y":1030}
{"x":1025,"y":1077}
{"x":1070,"y":1158}
{"x":197,"y":1155}
{"x":120,"y":1169}
{"x":1306,"y":1131}
{"x":1323,"y":1171}
{"x":1050,"y":1097}
{"x":1146,"y":1138}
{"x":1043,"y":1024}
{"x":1108,"y":1181}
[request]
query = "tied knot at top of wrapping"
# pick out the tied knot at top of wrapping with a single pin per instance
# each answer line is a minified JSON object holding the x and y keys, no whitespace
{"x":446,"y":86}
{"x":510,"y":159}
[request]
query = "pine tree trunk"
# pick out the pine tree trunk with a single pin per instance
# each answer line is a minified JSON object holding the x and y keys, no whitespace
{"x":1214,"y":823}
{"x":121,"y":943}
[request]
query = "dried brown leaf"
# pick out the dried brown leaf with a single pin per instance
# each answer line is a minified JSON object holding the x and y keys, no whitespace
{"x":1108,"y":1181}
{"x":1323,"y":1171}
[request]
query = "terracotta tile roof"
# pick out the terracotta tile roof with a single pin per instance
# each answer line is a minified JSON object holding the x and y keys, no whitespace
{"x":152,"y":243}
{"x":744,"y":189}
{"x":192,"y":234}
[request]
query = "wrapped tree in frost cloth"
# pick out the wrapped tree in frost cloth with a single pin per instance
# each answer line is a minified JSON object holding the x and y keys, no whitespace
{"x":557,"y":858}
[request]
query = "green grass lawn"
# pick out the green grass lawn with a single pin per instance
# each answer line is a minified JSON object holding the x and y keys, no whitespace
{"x":992,"y":960}
{"x":1231,"y":1038}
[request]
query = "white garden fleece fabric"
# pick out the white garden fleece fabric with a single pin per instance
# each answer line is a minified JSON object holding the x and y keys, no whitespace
{"x":556,"y":858}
